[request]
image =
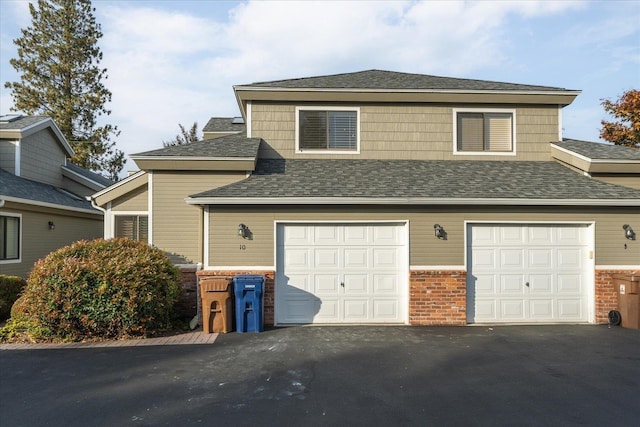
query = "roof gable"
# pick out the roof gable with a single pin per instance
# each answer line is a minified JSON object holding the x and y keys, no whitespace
{"x":21,"y":126}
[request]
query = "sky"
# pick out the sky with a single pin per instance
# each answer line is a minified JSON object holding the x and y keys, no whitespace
{"x":175,"y":62}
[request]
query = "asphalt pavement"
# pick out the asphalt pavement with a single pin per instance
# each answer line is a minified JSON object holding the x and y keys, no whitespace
{"x":337,"y":375}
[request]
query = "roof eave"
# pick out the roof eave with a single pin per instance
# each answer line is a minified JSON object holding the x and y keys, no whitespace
{"x":406,"y":201}
{"x":50,"y":205}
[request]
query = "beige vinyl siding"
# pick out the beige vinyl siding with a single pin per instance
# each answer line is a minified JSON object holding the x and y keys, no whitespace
{"x":38,"y":241}
{"x":425,"y":249}
{"x":41,"y":158}
{"x":416,"y":132}
{"x":137,"y":200}
{"x":8,"y":155}
{"x":630,"y":180}
{"x":177,"y":226}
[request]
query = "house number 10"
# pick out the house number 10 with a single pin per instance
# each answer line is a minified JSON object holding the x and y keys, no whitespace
{"x":243,"y":247}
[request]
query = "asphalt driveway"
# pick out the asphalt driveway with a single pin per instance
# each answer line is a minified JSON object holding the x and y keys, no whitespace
{"x":364,"y":375}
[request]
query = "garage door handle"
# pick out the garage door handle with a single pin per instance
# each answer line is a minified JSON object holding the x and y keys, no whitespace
{"x":527,"y":284}
{"x":342,"y":284}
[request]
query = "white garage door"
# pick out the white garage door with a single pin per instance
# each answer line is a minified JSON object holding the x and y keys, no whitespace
{"x":341,"y":273}
{"x":527,"y":273}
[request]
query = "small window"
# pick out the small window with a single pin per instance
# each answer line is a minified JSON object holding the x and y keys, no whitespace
{"x":9,"y":238}
{"x":480,"y":132}
{"x":132,"y":226}
{"x":327,"y":130}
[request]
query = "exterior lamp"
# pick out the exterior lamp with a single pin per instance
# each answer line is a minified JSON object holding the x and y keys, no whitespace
{"x":52,"y":226}
{"x":439,"y":232}
{"x":628,"y":232}
{"x":243,"y":231}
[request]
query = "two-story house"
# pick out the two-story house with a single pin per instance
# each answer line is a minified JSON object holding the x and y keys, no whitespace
{"x":385,"y":197}
{"x":42,"y":195}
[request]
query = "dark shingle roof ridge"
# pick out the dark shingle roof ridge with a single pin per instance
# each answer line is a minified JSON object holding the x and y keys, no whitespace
{"x":223,"y":124}
{"x":419,"y":179}
{"x":599,"y":150}
{"x":237,"y":145}
{"x":23,"y":122}
{"x":22,"y":188}
{"x":394,"y":80}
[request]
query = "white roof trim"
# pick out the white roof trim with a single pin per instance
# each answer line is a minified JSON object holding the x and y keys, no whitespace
{"x":405,"y":201}
{"x":591,"y":159}
{"x":188,"y":158}
{"x":56,"y":131}
{"x":117,"y":184}
{"x":50,"y":205}
{"x":84,"y":178}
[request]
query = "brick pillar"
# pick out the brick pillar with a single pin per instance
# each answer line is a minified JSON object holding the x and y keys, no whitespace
{"x":438,"y":297}
{"x":187,"y":305}
{"x":606,"y":293}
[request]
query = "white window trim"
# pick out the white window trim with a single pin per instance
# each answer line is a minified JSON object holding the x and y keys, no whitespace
{"x":20,"y":241}
{"x":484,"y":110}
{"x":326,"y":108}
{"x":114,"y":214}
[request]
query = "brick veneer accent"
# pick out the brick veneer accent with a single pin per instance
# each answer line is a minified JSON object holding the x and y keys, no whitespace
{"x":187,"y":305}
{"x":438,"y":297}
{"x":268,"y":295}
{"x":607,"y":293}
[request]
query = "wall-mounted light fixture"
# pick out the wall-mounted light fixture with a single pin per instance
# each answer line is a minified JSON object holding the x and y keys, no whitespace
{"x":52,"y":226}
{"x":243,"y":231}
{"x":628,"y":232}
{"x":439,"y":232}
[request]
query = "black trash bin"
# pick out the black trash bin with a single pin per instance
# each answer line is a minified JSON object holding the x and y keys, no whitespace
{"x":249,"y":303}
{"x":628,"y":286}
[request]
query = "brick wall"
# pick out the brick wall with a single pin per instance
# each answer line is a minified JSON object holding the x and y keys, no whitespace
{"x":187,"y":305}
{"x":438,"y":298}
{"x":607,"y":293}
{"x":268,"y":295}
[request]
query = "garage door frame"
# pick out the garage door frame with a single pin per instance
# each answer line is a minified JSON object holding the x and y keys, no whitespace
{"x":589,"y":268}
{"x":403,"y":280}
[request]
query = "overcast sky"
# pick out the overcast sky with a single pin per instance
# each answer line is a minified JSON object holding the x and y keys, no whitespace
{"x":173,"y":62}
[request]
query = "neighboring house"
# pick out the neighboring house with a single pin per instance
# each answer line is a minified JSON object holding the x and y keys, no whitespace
{"x":385,"y":197}
{"x":43,"y":202}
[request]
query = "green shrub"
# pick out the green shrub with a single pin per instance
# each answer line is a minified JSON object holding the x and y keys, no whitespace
{"x":99,"y":289}
{"x":10,"y":288}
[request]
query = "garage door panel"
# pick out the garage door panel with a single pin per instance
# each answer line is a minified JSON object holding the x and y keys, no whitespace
{"x":386,"y":284}
{"x":384,"y":235}
{"x":326,"y":236}
{"x":326,"y":258}
{"x":356,"y":235}
{"x":511,"y":284}
{"x":298,"y":311}
{"x":511,"y":259}
{"x":512,"y":309}
{"x":328,"y":311}
{"x":356,"y":310}
{"x":541,"y":283}
{"x":356,"y":258}
{"x":296,"y":283}
{"x":298,"y":235}
{"x":384,"y":258}
{"x":356,"y":284}
{"x":528,"y":273}
{"x":326,"y":284}
{"x":297,"y":258}
{"x":386,"y":309}
{"x":541,"y":309}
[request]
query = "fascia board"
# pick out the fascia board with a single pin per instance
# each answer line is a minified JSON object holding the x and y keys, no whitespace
{"x":95,"y":186}
{"x":119,"y":184}
{"x":49,"y":205}
{"x":407,"y":201}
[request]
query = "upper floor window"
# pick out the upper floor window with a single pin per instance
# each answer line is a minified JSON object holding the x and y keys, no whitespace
{"x":9,"y":238}
{"x":132,"y":226}
{"x":484,"y":132}
{"x":327,"y":130}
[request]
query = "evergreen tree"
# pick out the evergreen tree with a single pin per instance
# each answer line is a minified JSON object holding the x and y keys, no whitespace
{"x":185,"y":137}
{"x":60,"y":76}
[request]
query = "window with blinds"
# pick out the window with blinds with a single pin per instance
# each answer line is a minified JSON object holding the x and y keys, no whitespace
{"x":479,"y":132}
{"x":328,"y":130}
{"x":9,"y":238}
{"x":132,"y":226}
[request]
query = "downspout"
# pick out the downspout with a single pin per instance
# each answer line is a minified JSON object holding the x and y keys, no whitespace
{"x":104,"y":214}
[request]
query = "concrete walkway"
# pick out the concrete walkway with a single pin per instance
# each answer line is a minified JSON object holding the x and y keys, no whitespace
{"x":189,"y":338}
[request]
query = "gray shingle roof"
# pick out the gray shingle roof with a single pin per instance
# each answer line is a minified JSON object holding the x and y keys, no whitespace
{"x":380,"y":80}
{"x":95,"y":177}
{"x":223,"y":124}
{"x":15,"y":186}
{"x":226,"y":146}
{"x":353,"y":179}
{"x":22,"y":122}
{"x":596,"y":150}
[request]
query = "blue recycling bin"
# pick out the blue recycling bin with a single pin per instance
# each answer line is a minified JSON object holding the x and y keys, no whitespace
{"x":249,"y":303}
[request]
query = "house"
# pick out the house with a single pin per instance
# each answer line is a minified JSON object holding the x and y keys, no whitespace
{"x":42,"y":194}
{"x":387,"y":197}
